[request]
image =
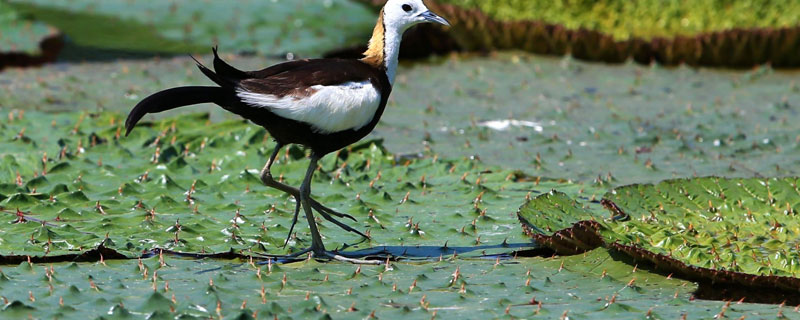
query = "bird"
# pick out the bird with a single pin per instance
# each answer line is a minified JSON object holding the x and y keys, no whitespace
{"x":321,"y":104}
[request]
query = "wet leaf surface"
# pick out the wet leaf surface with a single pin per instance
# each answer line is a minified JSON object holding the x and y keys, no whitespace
{"x":602,"y":124}
{"x":594,"y":286}
{"x":736,"y":232}
{"x":172,"y":185}
{"x":743,"y":225}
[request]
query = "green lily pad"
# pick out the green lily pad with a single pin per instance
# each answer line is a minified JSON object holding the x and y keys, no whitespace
{"x":189,"y":186}
{"x":591,"y":286}
{"x":741,"y":225}
{"x":738,"y":232}
{"x":599,"y":125}
{"x":21,"y":35}
{"x":307,"y":27}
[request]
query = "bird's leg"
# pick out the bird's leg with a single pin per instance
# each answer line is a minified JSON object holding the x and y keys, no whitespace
{"x":266,"y":175}
{"x":317,"y":247}
{"x":294,"y":222}
{"x":337,"y":222}
{"x":325,"y":215}
{"x":266,"y":178}
{"x":303,"y":196}
{"x":326,"y":211}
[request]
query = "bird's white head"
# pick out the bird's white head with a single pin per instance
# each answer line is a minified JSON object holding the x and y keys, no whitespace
{"x":400,"y":15}
{"x":396,"y":17}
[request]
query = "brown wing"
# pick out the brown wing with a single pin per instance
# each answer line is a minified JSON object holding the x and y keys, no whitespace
{"x":297,"y":77}
{"x":227,"y":75}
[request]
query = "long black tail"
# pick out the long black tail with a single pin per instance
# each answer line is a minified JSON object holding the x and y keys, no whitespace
{"x":171,"y":99}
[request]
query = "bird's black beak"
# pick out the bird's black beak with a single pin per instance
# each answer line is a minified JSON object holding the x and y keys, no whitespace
{"x":429,"y":16}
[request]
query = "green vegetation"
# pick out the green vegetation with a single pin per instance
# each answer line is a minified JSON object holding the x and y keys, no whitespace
{"x":645,"y":18}
{"x":594,"y":286}
{"x":96,"y":37}
{"x":742,"y":225}
{"x":175,"y":186}
{"x":307,"y":27}
{"x":172,"y":185}
{"x":589,"y":123}
{"x":579,"y":128}
{"x":18,"y":34}
{"x":727,"y":231}
{"x":599,"y":124}
{"x":471,"y":139}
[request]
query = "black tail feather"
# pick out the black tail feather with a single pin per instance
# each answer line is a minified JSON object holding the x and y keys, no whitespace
{"x":171,"y":99}
{"x":225,"y":70}
{"x":210,"y":74}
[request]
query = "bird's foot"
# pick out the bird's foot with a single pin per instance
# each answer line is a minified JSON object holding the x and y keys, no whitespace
{"x":319,"y":253}
{"x":320,"y":208}
{"x":299,"y":253}
{"x":269,"y":181}
{"x":326,"y":213}
{"x":324,"y":256}
{"x":334,"y":256}
{"x":294,"y":256}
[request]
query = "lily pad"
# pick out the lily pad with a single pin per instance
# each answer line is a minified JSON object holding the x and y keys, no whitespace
{"x":730,"y":231}
{"x":303,"y":28}
{"x":191,"y":186}
{"x":741,"y":225}
{"x":591,"y":286}
{"x":596,"y":124}
{"x":21,"y":35}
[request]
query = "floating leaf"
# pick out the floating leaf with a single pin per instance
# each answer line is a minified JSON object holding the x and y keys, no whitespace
{"x":718,"y":230}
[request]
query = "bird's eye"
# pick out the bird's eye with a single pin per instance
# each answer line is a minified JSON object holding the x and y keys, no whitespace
{"x":407,"y":8}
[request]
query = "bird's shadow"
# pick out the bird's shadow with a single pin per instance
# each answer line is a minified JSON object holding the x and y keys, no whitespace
{"x":503,"y":251}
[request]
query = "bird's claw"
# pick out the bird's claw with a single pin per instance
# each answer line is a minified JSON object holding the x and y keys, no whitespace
{"x":326,"y":255}
{"x":336,"y":257}
{"x":326,"y":213}
{"x":320,"y":208}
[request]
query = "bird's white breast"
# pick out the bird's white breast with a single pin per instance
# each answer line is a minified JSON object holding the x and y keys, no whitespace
{"x":350,"y":105}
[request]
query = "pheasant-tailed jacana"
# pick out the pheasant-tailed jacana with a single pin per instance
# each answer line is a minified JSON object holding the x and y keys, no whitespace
{"x":323,"y":104}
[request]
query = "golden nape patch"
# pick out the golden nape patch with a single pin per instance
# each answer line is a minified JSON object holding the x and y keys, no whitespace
{"x":375,"y":53}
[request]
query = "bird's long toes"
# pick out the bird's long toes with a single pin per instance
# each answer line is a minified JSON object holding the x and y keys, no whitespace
{"x":299,"y":253}
{"x":342,"y":225}
{"x":335,"y":257}
{"x":321,"y":208}
{"x":294,"y":222}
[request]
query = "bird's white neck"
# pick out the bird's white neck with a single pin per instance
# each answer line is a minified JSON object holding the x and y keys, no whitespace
{"x":384,"y":48}
{"x":392,"y":51}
